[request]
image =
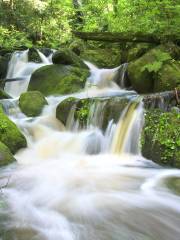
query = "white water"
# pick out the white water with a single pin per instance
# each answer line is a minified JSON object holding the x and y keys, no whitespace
{"x":19,"y":67}
{"x":57,"y":190}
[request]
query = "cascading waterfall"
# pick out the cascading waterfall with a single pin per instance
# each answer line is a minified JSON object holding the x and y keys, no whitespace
{"x":75,"y":183}
{"x":19,"y":67}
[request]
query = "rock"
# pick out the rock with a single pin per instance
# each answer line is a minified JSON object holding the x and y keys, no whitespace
{"x":160,"y":138}
{"x":63,"y":109}
{"x":3,"y":66}
{"x":10,"y":135}
{"x":31,"y":103}
{"x":77,"y":47}
{"x":143,"y":71}
{"x":33,"y":55}
{"x":58,"y":79}
{"x":3,"y":94}
{"x":6,"y":156}
{"x":103,"y":58}
{"x":105,"y":108}
{"x":168,"y":77}
{"x":46,"y":51}
{"x":67,"y":57}
{"x":138,"y":50}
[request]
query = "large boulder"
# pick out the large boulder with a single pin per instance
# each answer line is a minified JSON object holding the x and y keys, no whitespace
{"x":144,"y":71}
{"x":6,"y":156}
{"x":10,"y":135}
{"x":103,"y":57}
{"x":106,"y":109}
{"x":31,"y":103}
{"x":160,"y":138}
{"x":168,"y":77}
{"x":67,"y":57}
{"x":58,"y":79}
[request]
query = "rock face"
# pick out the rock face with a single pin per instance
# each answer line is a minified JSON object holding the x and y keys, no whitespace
{"x":6,"y":156}
{"x":161,"y":139}
{"x":10,"y":134}
{"x":58,"y":79}
{"x":67,"y":57}
{"x":31,"y":103}
{"x":155,"y":71}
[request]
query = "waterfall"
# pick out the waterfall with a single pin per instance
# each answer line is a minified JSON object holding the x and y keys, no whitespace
{"x":127,"y":133}
{"x":19,"y":67}
{"x":86,"y":182}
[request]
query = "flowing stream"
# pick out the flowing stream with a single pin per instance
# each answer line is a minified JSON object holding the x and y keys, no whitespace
{"x":87,"y":184}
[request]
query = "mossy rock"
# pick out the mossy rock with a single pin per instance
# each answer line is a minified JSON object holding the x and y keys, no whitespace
{"x":77,"y":46}
{"x":168,"y":77}
{"x":161,"y":137}
{"x":6,"y":156}
{"x":10,"y":135}
{"x":31,"y":103}
{"x":138,"y":50}
{"x":110,"y":108}
{"x":143,"y":72}
{"x":58,"y":79}
{"x":63,"y":109}
{"x":103,"y":58}
{"x":67,"y":57}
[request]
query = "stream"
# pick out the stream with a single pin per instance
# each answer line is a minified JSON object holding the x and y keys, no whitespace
{"x":84,"y":184}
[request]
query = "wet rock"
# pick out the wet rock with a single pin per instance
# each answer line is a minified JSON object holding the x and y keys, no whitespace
{"x":3,"y":66}
{"x":10,"y":135}
{"x":6,"y":156}
{"x":67,"y":57}
{"x":3,"y":94}
{"x":31,"y":103}
{"x":160,"y":138}
{"x":58,"y":79}
{"x":63,"y":109}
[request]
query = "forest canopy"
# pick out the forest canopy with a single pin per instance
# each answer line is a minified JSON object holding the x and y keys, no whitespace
{"x":50,"y":22}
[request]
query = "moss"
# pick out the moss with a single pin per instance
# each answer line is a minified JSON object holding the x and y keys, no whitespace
{"x":10,"y":134}
{"x":58,"y":79}
{"x":83,"y":110}
{"x":31,"y":103}
{"x":103,"y":58}
{"x":64,"y":108}
{"x":168,"y":77}
{"x":6,"y":156}
{"x":161,"y":137}
{"x":145,"y":72}
{"x":68,"y":57}
{"x":138,"y":50}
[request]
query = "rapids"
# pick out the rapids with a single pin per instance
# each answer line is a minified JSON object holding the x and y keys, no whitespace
{"x":86,"y":184}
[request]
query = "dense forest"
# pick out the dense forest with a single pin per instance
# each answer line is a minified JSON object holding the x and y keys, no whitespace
{"x":50,"y":22}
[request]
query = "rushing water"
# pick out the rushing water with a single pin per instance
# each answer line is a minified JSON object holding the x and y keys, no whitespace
{"x":86,"y":184}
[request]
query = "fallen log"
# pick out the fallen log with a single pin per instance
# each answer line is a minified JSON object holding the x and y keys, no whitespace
{"x":126,"y":37}
{"x":13,"y":79}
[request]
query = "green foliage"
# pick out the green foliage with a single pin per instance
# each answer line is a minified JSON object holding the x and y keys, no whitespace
{"x":12,"y":38}
{"x":82,"y":110}
{"x":160,"y":58}
{"x":49,"y":23}
{"x":162,"y":129}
